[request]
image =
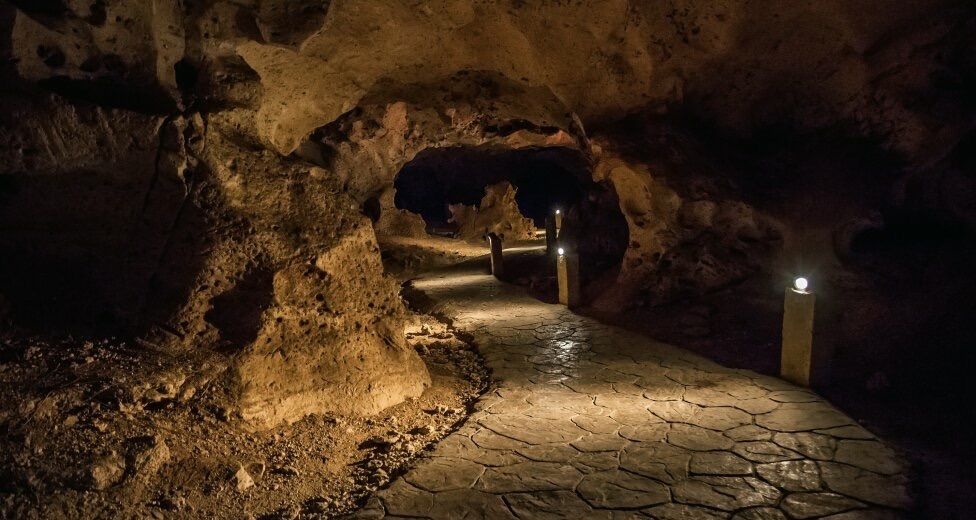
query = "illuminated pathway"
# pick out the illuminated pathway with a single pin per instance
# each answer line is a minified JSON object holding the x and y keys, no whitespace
{"x":591,"y":421}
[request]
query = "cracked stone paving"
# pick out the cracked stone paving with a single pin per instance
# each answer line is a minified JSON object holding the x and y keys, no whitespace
{"x":589,"y":421}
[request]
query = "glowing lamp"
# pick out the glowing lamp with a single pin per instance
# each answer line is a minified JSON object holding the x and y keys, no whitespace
{"x":796,"y":359}
{"x":801,"y":284}
{"x":557,"y":211}
{"x":561,"y":251}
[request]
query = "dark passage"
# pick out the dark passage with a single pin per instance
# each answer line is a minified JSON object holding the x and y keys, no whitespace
{"x":544,"y":177}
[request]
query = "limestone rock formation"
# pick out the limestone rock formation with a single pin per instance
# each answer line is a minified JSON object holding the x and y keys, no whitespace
{"x":497,"y":213}
{"x":393,"y":221}
{"x":681,"y":244}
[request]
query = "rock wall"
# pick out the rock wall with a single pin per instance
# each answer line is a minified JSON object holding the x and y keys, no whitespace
{"x":681,"y":244}
{"x":741,"y":64}
{"x":78,"y":183}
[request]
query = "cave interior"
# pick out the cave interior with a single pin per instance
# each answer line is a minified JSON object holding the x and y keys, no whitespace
{"x":229,"y":229}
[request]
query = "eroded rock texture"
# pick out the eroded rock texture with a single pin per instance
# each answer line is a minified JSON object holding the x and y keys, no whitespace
{"x":497,"y":213}
{"x":200,"y":174}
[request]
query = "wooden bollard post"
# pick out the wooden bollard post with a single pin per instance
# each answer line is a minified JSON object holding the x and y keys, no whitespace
{"x":797,"y":353}
{"x":567,"y":272}
{"x":497,"y":263}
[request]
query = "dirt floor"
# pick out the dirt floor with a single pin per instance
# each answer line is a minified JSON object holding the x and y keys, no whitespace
{"x":72,"y":446}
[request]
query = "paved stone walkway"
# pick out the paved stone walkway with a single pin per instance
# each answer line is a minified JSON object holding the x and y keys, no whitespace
{"x":590,"y":421}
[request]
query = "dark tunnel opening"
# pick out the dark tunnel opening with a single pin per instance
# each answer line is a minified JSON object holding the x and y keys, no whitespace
{"x":545,"y":178}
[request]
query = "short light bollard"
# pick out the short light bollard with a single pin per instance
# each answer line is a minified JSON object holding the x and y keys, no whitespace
{"x":551,"y":235}
{"x":797,"y":353}
{"x":559,"y":220}
{"x":497,"y":263}
{"x":567,"y":271}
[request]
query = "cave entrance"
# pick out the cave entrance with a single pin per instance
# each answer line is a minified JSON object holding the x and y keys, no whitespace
{"x":543,"y":178}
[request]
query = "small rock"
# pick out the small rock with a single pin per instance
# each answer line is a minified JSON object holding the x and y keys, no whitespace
{"x":256,"y":469}
{"x":173,"y":503}
{"x":290,"y":513}
{"x":426,"y":429}
{"x":103,"y":473}
{"x":148,"y":455}
{"x":290,"y":471}
{"x":320,"y":505}
{"x":243,"y":480}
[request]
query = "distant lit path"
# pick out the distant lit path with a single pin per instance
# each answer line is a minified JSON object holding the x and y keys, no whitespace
{"x":591,"y":421}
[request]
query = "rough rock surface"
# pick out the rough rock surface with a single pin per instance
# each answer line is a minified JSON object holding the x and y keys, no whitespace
{"x":395,"y":222}
{"x":497,"y":213}
{"x":74,"y":434}
{"x":198,"y":175}
{"x":681,"y":244}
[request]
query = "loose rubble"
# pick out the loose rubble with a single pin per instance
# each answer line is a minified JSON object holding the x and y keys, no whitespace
{"x":82,"y":427}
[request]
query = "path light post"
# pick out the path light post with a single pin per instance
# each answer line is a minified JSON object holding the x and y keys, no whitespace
{"x":559,"y":220}
{"x":797,"y":351}
{"x":550,"y":235}
{"x":497,"y":263}
{"x":567,"y":271}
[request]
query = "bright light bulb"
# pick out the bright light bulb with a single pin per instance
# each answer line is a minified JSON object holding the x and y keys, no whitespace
{"x":561,"y":251}
{"x":557,"y":211}
{"x":801,"y":284}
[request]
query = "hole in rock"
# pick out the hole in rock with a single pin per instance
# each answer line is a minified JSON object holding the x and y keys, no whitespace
{"x":372,"y":209}
{"x":237,"y":312}
{"x":186,"y":75}
{"x":97,"y":14}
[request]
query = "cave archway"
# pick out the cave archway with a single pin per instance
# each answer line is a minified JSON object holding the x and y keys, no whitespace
{"x":545,"y":178}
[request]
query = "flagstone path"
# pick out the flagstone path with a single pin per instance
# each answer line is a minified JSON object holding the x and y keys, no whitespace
{"x":590,"y":421}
